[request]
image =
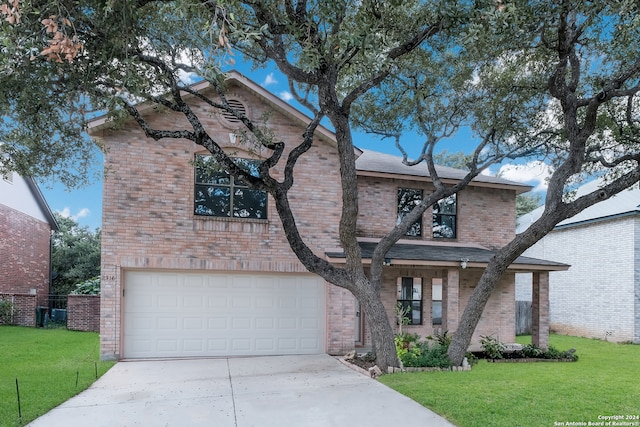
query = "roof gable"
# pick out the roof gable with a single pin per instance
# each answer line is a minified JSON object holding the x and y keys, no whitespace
{"x":235,"y":78}
{"x":35,"y":205}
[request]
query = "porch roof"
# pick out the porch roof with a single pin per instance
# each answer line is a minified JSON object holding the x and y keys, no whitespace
{"x":446,"y":255}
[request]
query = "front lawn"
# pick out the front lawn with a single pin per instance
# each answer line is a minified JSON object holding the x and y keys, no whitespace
{"x":603,"y":382}
{"x":47,"y":364}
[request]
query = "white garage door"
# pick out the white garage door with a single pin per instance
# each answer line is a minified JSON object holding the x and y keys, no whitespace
{"x":180,"y":314}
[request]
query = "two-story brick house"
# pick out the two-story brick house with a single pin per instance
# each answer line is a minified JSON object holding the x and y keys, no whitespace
{"x":194,"y":263}
{"x":26,"y":223}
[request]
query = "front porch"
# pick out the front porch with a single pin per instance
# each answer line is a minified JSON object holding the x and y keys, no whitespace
{"x":436,"y":281}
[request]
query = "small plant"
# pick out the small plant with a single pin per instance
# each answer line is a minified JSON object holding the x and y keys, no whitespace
{"x":88,"y":287}
{"x":443,"y":339}
{"x":492,"y":347}
{"x":405,"y":340}
{"x":532,"y":350}
{"x":402,"y":316}
{"x":6,"y":312}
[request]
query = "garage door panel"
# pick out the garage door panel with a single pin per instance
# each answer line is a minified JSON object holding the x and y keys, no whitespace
{"x":217,"y":323}
{"x":192,"y":314}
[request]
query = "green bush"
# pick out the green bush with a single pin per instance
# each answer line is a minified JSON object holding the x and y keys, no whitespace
{"x":6,"y":311}
{"x":415,"y":353}
{"x":88,"y":287}
{"x":492,"y":347}
{"x":532,"y":350}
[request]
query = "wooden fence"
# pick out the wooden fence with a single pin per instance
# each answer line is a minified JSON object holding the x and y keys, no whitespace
{"x":523,"y":317}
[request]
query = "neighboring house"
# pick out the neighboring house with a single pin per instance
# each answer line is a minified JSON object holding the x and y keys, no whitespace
{"x":26,"y":223}
{"x":196,"y":264}
{"x":599,"y":297}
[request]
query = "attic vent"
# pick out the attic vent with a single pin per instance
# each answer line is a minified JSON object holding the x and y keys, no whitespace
{"x":236,"y":105}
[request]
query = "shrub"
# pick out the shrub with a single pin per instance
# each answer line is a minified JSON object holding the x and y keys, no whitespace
{"x":88,"y":287}
{"x":415,"y":353}
{"x":492,"y":347}
{"x":532,"y":350}
{"x":444,"y":339}
{"x":6,"y":312}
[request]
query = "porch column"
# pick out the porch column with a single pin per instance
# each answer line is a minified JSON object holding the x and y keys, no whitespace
{"x":540,"y":309}
{"x":451,"y":297}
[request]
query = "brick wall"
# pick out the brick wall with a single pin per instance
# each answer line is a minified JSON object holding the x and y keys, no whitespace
{"x":148,"y":220}
{"x":596,"y":297}
{"x":24,"y":306}
{"x":24,"y":253}
{"x":83,"y":313}
{"x":498,"y":318}
{"x":486,"y":216}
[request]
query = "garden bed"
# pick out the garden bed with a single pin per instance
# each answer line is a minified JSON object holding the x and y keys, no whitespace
{"x":529,"y":360}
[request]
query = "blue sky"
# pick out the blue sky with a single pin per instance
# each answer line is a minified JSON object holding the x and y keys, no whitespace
{"x":85,"y":204}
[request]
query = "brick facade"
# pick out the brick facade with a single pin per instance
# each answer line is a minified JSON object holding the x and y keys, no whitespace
{"x":83,"y":313}
{"x":590,"y":300}
{"x":485,"y":215}
{"x":148,"y":223}
{"x":24,"y":306}
{"x":24,"y":251}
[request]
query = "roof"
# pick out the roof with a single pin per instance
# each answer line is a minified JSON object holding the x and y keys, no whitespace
{"x":42,"y":203}
{"x":625,"y":203}
{"x":233,"y":76}
{"x":369,"y":163}
{"x":375,"y":163}
{"x":447,"y":255}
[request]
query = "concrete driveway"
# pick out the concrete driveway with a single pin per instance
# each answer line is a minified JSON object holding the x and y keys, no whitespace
{"x":277,"y":391}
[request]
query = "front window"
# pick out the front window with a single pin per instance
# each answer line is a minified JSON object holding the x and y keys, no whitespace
{"x":219,"y":194}
{"x":410,"y":298}
{"x":436,"y":301}
{"x":444,"y":217}
{"x":409,"y":198}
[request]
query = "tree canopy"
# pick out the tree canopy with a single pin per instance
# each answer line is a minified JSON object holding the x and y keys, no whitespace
{"x":551,"y":80}
{"x":75,"y":255}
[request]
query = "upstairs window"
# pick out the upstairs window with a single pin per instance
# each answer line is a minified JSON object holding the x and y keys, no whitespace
{"x":409,"y":198}
{"x":410,"y":298}
{"x":444,"y":217}
{"x":219,"y":194}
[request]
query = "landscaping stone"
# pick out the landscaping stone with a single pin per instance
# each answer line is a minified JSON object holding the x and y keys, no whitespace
{"x":375,"y":372}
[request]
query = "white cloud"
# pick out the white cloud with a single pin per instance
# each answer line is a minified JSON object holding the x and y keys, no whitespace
{"x":269,"y":80}
{"x":534,"y":173}
{"x":66,"y":212}
{"x":285,"y":96}
{"x":188,"y":78}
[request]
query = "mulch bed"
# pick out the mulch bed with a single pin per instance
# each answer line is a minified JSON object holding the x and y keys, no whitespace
{"x":361,"y":363}
{"x":527,"y":360}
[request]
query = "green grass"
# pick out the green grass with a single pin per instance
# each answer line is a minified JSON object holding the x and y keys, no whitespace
{"x":46,"y":363}
{"x":604,"y":381}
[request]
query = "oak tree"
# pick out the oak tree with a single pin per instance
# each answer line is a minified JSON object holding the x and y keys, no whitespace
{"x":530,"y":78}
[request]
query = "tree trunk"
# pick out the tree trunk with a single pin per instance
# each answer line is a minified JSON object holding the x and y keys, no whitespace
{"x":473,"y":312}
{"x":489,"y":280}
{"x":382,"y":335}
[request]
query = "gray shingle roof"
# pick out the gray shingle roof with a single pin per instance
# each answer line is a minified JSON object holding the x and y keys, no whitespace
{"x":373,"y":161}
{"x":624,"y":203}
{"x":440,"y":253}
